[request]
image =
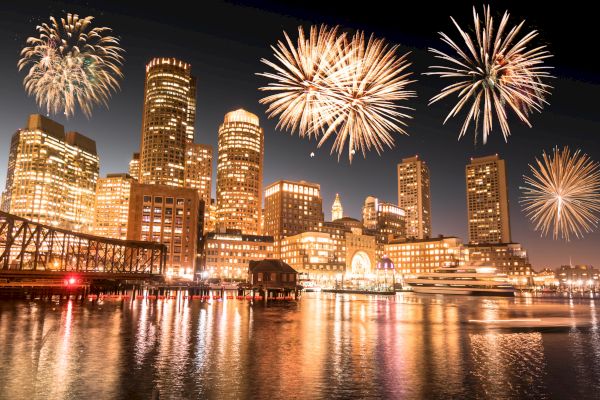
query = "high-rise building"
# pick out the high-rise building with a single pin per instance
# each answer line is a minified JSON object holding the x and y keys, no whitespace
{"x":487,"y":200}
{"x":414,"y":196}
{"x":228,"y":254}
{"x":52,"y":175}
{"x":386,"y":220}
{"x":134,"y":166}
{"x":168,"y":121}
{"x":337,"y":211}
{"x":168,"y":215}
{"x":112,"y":205}
{"x":292,"y":207}
{"x":239,"y":173}
{"x":198,"y":172}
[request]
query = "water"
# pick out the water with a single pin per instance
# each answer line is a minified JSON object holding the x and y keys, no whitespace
{"x":325,"y":346}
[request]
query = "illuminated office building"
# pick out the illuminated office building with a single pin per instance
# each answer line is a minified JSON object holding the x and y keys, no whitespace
{"x":414,"y":196}
{"x":227,"y":254}
{"x":134,"y":166}
{"x":52,"y":175}
{"x":337,"y":211}
{"x":386,"y":220}
{"x":508,"y":258}
{"x":292,"y":207}
{"x":168,"y":215}
{"x":487,"y":200}
{"x":198,"y":172}
{"x":415,"y":256}
{"x":168,"y":121}
{"x":239,"y":173}
{"x":112,"y":205}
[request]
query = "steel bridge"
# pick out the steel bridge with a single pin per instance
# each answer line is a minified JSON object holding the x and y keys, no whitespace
{"x":29,"y":249}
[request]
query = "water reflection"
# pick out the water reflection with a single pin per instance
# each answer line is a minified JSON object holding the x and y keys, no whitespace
{"x":325,"y":346}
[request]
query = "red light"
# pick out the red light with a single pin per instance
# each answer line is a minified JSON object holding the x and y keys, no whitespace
{"x":71,"y":281}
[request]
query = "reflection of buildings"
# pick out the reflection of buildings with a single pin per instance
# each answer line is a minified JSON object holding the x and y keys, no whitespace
{"x":239,"y":172}
{"x":228,"y":254}
{"x":168,"y":215}
{"x":52,"y":175}
{"x":112,"y":205}
{"x":487,"y":200}
{"x":414,"y":256}
{"x":414,"y":196}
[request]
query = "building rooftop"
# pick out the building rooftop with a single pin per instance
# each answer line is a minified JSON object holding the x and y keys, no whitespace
{"x":271,"y":265}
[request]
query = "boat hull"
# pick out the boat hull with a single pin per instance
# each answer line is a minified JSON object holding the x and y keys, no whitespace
{"x":464,"y":292}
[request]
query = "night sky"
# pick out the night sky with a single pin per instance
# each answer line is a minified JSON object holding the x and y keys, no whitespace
{"x":224,"y":42}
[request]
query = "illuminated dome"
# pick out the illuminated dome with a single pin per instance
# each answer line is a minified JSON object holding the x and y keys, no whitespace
{"x":241,"y":115}
{"x":385,"y":263}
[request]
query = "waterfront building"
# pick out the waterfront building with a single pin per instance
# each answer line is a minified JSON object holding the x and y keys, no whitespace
{"x":337,"y":211}
{"x":292,"y":207}
{"x":168,"y":121}
{"x":112,"y":205}
{"x":52,"y":175}
{"x":414,"y":196}
{"x":239,"y":172}
{"x":272,"y":275}
{"x":227,"y":253}
{"x":134,"y":166}
{"x":168,"y":215}
{"x":487,"y":200}
{"x":508,"y":258}
{"x":578,"y":277}
{"x":415,"y":256}
{"x":386,"y":220}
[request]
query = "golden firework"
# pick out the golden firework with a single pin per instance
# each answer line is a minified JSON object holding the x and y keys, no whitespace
{"x":563,"y":194}
{"x":332,"y":84}
{"x":493,"y":72}
{"x":71,"y":64}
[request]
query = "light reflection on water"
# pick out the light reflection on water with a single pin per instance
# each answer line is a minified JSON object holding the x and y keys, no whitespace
{"x":325,"y":346}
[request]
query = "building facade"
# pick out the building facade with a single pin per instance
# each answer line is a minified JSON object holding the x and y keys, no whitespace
{"x":386,"y":220}
{"x":415,"y":256}
{"x":168,"y":215}
{"x":292,"y":207}
{"x":198,"y":173}
{"x":168,"y":121}
{"x":414,"y":196}
{"x":134,"y":166}
{"x":112,"y":205}
{"x":52,"y":175}
{"x":578,"y":277}
{"x":227,"y":254}
{"x":239,"y":173}
{"x":487,"y":200}
{"x":508,"y":258}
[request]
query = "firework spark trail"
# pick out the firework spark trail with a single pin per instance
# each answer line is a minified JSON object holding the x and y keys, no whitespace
{"x":71,"y":65}
{"x":497,"y":71}
{"x":563,"y":195}
{"x":330,"y":84}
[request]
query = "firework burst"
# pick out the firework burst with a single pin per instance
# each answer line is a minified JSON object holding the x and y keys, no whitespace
{"x":493,"y":72}
{"x":70,"y":64}
{"x":563,"y":194}
{"x":333,"y":85}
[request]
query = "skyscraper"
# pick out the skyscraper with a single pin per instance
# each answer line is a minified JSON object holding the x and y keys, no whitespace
{"x":239,"y":172}
{"x":487,"y":200}
{"x":337,"y":211}
{"x":198,"y":171}
{"x":112,"y":205}
{"x":134,"y":166}
{"x":168,"y":121}
{"x":414,"y":196}
{"x":292,"y":207}
{"x":52,"y":175}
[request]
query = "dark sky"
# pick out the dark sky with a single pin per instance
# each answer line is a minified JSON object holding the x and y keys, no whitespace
{"x":224,"y":42}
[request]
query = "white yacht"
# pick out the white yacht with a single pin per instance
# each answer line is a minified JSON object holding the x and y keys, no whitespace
{"x":466,"y":280}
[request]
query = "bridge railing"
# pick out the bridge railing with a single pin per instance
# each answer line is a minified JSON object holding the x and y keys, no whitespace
{"x":29,"y":246}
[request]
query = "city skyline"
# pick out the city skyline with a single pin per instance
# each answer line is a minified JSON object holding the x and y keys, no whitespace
{"x":288,"y":157}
